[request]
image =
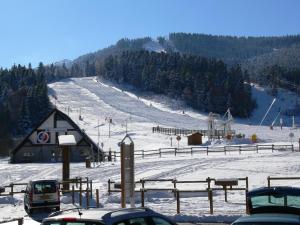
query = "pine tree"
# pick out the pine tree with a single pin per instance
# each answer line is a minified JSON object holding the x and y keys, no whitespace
{"x":23,"y":120}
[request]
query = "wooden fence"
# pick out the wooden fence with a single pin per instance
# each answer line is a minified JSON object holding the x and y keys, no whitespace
{"x":211,"y":185}
{"x":209,"y":149}
{"x":177,"y":131}
{"x":269,"y":179}
{"x":19,"y":220}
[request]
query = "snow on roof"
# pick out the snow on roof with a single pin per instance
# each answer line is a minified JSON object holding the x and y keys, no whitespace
{"x":66,"y":140}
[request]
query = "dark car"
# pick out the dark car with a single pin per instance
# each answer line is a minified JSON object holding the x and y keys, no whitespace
{"x":272,"y":205}
{"x":102,"y":216}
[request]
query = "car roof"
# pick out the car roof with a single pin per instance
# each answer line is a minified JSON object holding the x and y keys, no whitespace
{"x":103,"y":214}
{"x":259,"y":203}
{"x":275,"y":189}
{"x":277,"y":218}
{"x":79,"y":213}
{"x":41,"y":181}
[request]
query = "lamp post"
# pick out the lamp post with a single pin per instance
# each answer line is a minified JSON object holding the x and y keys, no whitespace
{"x":98,"y":144}
{"x":109,"y":120}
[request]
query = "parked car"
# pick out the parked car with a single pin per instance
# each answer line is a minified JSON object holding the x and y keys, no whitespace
{"x":42,"y":194}
{"x":272,"y":205}
{"x":101,"y":216}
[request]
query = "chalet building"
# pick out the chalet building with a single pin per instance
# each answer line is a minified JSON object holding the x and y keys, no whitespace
{"x":195,"y":139}
{"x":41,"y":145}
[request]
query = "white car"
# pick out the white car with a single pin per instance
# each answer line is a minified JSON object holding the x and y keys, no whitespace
{"x":42,"y":194}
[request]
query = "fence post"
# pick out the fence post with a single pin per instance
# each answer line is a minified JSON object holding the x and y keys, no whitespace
{"x":210,"y":197}
{"x":87,"y":198}
{"x":108,"y":187}
{"x":20,"y":221}
{"x":178,"y":201}
{"x":206,"y":150}
{"x":142,"y":197}
{"x":143,"y":183}
{"x":91,"y":186}
{"x":175,"y":186}
{"x":225,"y":192}
{"x":272,"y":148}
{"x":80,"y":183}
{"x":143,"y":154}
{"x":12,"y":189}
{"x":76,"y":184}
{"x":191,"y":150}
{"x":80,"y":192}
{"x":256,"y":148}
{"x":269,"y":184}
{"x":97,"y":198}
{"x":159,"y":153}
{"x":240,"y":149}
{"x":208,"y":180}
{"x":247,"y":183}
{"x":292,"y":147}
{"x":225,"y":150}
{"x":247,"y":204}
{"x":73,"y":197}
{"x":175,"y":151}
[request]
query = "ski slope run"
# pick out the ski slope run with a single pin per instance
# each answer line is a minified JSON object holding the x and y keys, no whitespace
{"x":89,"y":92}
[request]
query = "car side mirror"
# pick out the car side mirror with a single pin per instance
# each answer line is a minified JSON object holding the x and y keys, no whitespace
{"x":23,"y":191}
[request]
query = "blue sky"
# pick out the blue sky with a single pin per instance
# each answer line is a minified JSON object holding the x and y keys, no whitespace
{"x":52,"y":30}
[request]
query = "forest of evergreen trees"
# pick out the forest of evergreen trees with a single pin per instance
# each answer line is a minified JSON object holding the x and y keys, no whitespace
{"x":230,"y":49}
{"x":23,"y":100}
{"x":255,"y":54}
{"x":278,"y":77}
{"x":205,"y":84}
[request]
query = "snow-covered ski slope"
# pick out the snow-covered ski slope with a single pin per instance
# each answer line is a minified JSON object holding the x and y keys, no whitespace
{"x":96,"y":100}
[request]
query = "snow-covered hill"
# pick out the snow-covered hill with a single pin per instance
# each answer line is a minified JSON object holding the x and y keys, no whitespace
{"x":96,"y":100}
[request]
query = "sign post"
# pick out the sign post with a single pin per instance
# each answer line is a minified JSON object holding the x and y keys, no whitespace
{"x":127,"y":172}
{"x":66,"y":141}
{"x":178,"y":138}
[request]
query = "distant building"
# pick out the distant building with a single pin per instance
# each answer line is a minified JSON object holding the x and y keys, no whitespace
{"x":41,"y":145}
{"x":195,"y":139}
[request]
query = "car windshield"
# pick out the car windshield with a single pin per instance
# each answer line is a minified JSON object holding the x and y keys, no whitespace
{"x":272,"y":199}
{"x":44,"y":187}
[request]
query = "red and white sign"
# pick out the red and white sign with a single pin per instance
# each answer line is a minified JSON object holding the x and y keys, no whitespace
{"x":43,"y":137}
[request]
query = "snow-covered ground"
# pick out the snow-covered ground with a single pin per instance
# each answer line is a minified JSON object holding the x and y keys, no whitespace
{"x":97,"y":101}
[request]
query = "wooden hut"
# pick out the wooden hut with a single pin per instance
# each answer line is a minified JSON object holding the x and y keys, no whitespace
{"x":195,"y":139}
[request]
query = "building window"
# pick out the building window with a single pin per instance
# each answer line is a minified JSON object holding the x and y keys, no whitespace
{"x":84,"y":152}
{"x":28,"y":154}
